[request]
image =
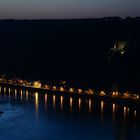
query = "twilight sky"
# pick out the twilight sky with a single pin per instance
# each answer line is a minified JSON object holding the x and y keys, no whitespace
{"x":19,"y":9}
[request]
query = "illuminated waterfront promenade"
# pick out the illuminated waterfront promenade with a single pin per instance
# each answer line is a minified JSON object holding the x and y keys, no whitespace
{"x":33,"y":109}
{"x":36,"y":86}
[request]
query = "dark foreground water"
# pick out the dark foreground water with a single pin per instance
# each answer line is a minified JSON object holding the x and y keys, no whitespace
{"x":33,"y":116}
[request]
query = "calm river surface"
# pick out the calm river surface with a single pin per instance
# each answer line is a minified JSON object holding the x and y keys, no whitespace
{"x":33,"y":116}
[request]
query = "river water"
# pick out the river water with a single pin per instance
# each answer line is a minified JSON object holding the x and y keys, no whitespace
{"x":33,"y":116}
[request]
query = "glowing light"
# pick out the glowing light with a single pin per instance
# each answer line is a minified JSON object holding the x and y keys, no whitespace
{"x":47,"y":86}
{"x":62,"y":89}
{"x":15,"y":93}
{"x":54,"y":98}
{"x":37,"y":84}
{"x":102,"y":109}
{"x":46,"y":99}
{"x":102,"y":93}
{"x":102,"y":106}
{"x":114,"y":109}
{"x":128,"y":110}
{"x":9,"y":90}
{"x":90,"y":91}
{"x":115,"y":93}
{"x":71,"y":103}
{"x":0,"y":89}
{"x":4,"y":89}
{"x":124,"y":112}
{"x":80,"y":91}
{"x":21,"y":93}
{"x":36,"y":101}
{"x":63,"y":82}
{"x":61,"y":102}
{"x":79,"y":104}
{"x":89,"y":105}
{"x":137,"y":96}
{"x":54,"y":87}
{"x":135,"y":113}
{"x":127,"y":94}
{"x":26,"y":95}
{"x":71,"y":90}
{"x":122,"y":52}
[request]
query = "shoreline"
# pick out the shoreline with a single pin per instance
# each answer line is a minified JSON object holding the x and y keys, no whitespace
{"x":97,"y":96}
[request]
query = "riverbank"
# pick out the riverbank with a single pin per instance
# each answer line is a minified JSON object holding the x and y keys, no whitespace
{"x":99,"y":95}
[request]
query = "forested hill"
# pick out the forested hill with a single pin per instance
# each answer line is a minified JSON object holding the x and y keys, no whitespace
{"x":71,"y":49}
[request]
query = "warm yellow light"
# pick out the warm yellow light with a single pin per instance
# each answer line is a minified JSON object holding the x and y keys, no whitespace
{"x":79,"y":103}
{"x":46,"y":99}
{"x":27,"y":95}
{"x":9,"y":90}
{"x":138,"y":96}
{"x":71,"y":90}
{"x":36,"y":84}
{"x":127,"y":94}
{"x":80,"y":90}
{"x":54,"y":98}
{"x":113,"y":93}
{"x":128,"y":110}
{"x":36,"y":101}
{"x":114,"y":109}
{"x":61,"y":103}
{"x":102,"y":93}
{"x":16,"y":91}
{"x":117,"y":93}
{"x":4,"y":89}
{"x":20,"y":81}
{"x":21,"y":93}
{"x":102,"y":109}
{"x":47,"y":87}
{"x":124,"y":112}
{"x":54,"y":87}
{"x":36,"y":96}
{"x":63,"y":82}
{"x":62,"y":89}
{"x":90,"y":91}
{"x":71,"y":103}
{"x":102,"y":106}
{"x":89,"y":105}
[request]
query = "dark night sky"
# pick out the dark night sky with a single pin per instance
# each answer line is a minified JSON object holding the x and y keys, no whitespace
{"x":19,"y":9}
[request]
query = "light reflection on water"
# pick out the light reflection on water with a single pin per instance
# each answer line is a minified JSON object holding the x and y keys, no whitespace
{"x":46,"y":99}
{"x":61,"y":103}
{"x":135,"y":114}
{"x":113,"y":110}
{"x":21,"y":94}
{"x":118,"y":122}
{"x":79,"y":104}
{"x":27,"y":93}
{"x":71,"y":103}
{"x":89,"y":105}
{"x":102,"y":110}
{"x":54,"y":101}
{"x":36,"y":102}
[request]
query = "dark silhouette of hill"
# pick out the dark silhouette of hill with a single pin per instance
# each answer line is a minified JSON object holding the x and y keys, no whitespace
{"x":71,"y":49}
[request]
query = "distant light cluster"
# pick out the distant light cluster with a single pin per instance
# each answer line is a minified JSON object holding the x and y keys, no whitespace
{"x":118,"y":49}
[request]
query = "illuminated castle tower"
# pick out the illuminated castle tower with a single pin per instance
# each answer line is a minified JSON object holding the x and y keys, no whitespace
{"x":118,"y":49}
